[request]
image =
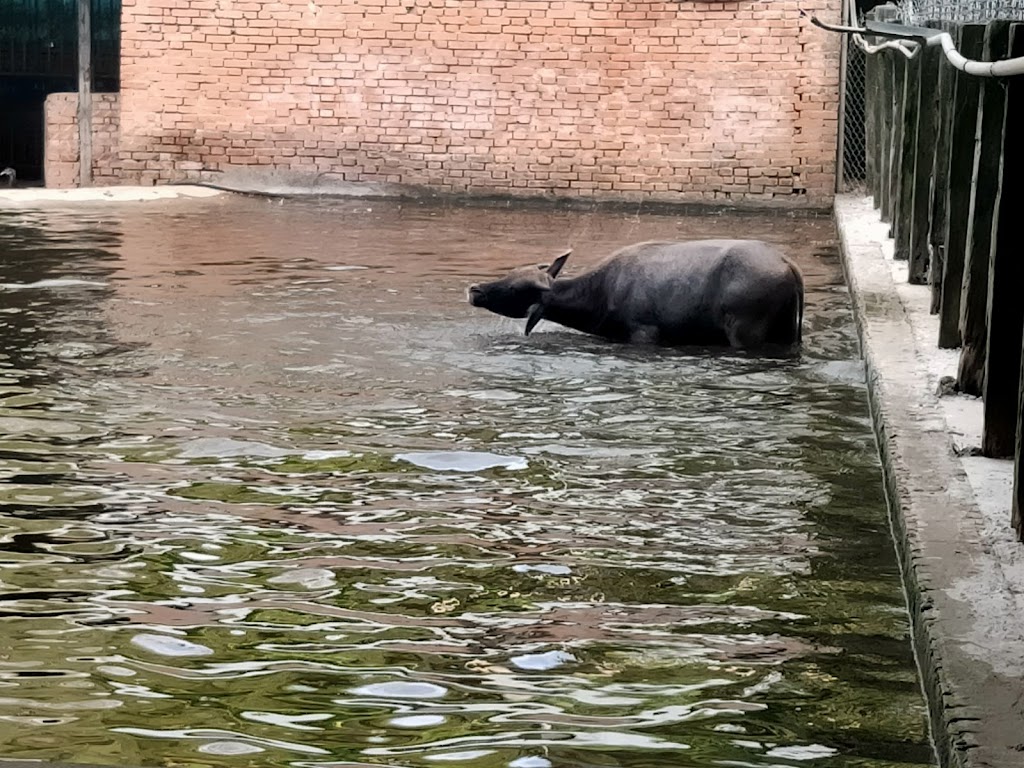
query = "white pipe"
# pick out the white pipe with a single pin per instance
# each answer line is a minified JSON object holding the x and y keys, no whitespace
{"x":909,"y":48}
{"x":1004,"y":68}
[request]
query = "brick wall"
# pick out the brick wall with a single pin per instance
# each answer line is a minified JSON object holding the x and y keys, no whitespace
{"x":60,"y":162}
{"x":679,"y":100}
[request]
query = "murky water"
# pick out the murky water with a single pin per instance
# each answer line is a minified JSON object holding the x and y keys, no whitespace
{"x":276,"y":495}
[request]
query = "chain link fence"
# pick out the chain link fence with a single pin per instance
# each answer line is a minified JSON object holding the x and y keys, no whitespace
{"x":964,"y":11}
{"x":854,"y":156}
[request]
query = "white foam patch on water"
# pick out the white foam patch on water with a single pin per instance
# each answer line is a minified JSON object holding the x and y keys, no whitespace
{"x":295,"y":722}
{"x":57,"y":282}
{"x":226,"y":447}
{"x":324,"y":455}
{"x":116,"y":671}
{"x":417,"y":721}
{"x":165,"y":645}
{"x":729,"y":728}
{"x":198,"y":557}
{"x":590,"y":451}
{"x":470,"y":754}
{"x":402,"y":690}
{"x":532,"y":761}
{"x":218,"y":736}
{"x":605,"y":398}
{"x":462,"y":461}
{"x":554,"y":570}
{"x":542,"y":661}
{"x":310,"y":578}
{"x":808,"y":752}
{"x":229,"y":748}
{"x":499,"y":395}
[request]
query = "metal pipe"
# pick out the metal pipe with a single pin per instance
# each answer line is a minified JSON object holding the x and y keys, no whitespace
{"x":1004,"y":68}
{"x":844,"y":52}
{"x":908,"y":48}
{"x":924,"y":36}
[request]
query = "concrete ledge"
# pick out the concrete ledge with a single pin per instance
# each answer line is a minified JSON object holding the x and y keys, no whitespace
{"x":289,"y":183}
{"x":296,"y":184}
{"x":34,"y":195}
{"x":962,"y":567}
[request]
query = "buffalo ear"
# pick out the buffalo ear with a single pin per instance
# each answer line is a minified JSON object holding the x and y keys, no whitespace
{"x":536,"y":314}
{"x":557,"y":264}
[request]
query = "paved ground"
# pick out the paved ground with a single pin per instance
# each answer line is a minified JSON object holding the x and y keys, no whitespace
{"x":100,"y":194}
{"x":964,"y":570}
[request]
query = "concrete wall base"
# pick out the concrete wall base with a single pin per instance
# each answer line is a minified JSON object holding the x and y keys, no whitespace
{"x":962,"y":567}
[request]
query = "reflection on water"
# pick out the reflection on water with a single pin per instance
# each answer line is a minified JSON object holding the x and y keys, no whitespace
{"x":276,"y":495}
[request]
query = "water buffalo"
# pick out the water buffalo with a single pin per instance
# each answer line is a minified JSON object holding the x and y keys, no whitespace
{"x":738,"y":293}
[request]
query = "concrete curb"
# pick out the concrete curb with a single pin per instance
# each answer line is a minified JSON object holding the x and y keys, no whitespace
{"x":284,"y":184}
{"x":968,"y":624}
{"x":37,"y":195}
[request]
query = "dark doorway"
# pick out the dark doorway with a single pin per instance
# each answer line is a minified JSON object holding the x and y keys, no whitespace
{"x":39,"y":56}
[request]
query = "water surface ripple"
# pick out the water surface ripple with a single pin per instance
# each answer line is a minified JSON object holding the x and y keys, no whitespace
{"x":275,"y":495}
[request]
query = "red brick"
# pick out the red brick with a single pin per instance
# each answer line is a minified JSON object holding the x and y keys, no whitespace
{"x":668,"y":100}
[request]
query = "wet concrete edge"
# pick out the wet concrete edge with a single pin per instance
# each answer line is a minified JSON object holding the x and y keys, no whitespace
{"x":282,"y":185}
{"x":29,"y":196}
{"x":291,"y":183}
{"x":975,"y":710}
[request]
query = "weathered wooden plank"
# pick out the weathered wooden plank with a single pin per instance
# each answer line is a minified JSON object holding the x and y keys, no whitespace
{"x":1001,"y":388}
{"x":940,"y":172}
{"x":85,"y":92}
{"x":984,"y":183}
{"x":919,"y":249}
{"x":904,"y":212}
{"x":901,"y":155}
{"x":885,"y":102}
{"x":872,"y":153}
{"x":841,"y":129}
{"x":886,"y":79}
{"x":958,"y":199}
{"x":1017,"y":506}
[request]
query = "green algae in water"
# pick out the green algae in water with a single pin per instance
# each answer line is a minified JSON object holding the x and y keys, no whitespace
{"x":212,"y":558}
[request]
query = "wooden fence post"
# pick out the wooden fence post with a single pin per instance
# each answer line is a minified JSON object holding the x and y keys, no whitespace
{"x":905,"y":120}
{"x":886,"y":65}
{"x":871,"y":144}
{"x":84,"y":93}
{"x":958,"y":199}
{"x":929,"y":61}
{"x":888,"y":62}
{"x":1017,"y":505}
{"x":1001,"y":389}
{"x":1018,"y":467}
{"x":987,"y":150}
{"x":940,"y":173}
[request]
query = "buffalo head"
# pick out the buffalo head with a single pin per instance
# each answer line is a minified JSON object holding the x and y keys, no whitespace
{"x":520,"y":293}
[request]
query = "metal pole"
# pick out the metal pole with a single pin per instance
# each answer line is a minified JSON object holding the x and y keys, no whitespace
{"x":841,"y":124}
{"x":84,"y":93}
